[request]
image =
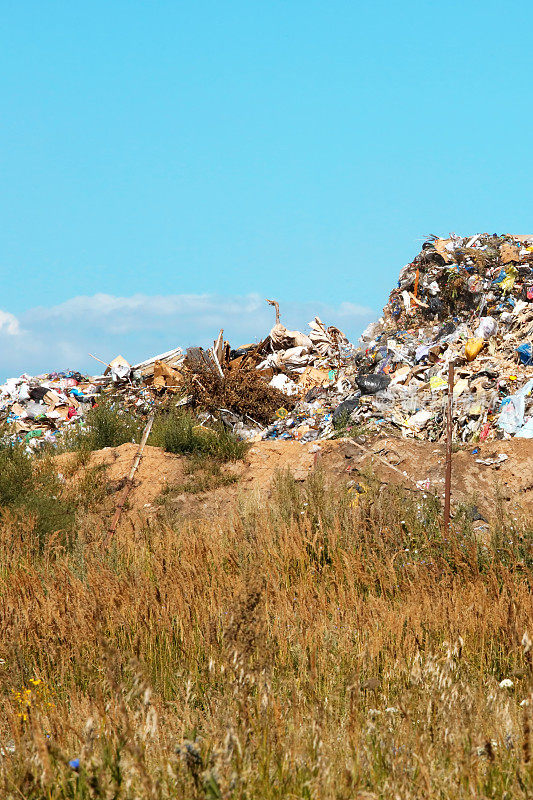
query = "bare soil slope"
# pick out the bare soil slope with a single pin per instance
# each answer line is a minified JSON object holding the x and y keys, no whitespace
{"x":416,"y":465}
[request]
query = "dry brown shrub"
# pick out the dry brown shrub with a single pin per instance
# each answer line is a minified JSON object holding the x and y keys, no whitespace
{"x":244,"y":392}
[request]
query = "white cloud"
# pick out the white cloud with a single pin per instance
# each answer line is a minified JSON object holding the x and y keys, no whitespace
{"x":9,"y":324}
{"x":137,"y":310}
{"x":61,"y":336}
{"x":122,"y":314}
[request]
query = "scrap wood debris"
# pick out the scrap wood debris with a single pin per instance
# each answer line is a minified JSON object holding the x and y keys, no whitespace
{"x":240,"y":394}
{"x":466,"y":300}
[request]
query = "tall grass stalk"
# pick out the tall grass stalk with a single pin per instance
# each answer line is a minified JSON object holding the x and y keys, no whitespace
{"x":320,"y":645}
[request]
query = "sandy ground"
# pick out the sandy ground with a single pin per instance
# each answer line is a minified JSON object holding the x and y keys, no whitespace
{"x":413,"y":464}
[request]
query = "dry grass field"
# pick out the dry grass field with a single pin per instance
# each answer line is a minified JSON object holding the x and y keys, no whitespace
{"x":327,"y":644}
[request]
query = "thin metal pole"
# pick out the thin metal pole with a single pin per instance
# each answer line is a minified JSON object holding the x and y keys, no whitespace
{"x":448,"y":473}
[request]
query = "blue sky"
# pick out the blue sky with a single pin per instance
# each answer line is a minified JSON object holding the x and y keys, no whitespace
{"x":166,"y":165}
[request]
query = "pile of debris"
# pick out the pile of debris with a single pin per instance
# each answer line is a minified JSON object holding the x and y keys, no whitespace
{"x":463,"y":300}
{"x":247,"y":388}
{"x":38,"y":409}
{"x":466,"y":301}
{"x":33,"y":409}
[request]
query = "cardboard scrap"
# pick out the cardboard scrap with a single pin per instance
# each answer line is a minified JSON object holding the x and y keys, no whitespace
{"x":165,"y":377}
{"x":311,"y":377}
{"x":509,"y":253}
{"x":440,"y":247}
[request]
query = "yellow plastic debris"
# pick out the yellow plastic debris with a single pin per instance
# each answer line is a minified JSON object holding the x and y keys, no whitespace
{"x":436,"y":383}
{"x":472,"y":348}
{"x":355,"y":493}
{"x":511,"y":274}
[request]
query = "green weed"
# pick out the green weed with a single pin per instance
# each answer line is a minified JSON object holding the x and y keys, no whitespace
{"x":179,"y":432}
{"x":106,"y":425}
{"x":33,"y":489}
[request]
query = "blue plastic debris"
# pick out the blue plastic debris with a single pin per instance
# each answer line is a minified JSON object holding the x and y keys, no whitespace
{"x":525,"y":353}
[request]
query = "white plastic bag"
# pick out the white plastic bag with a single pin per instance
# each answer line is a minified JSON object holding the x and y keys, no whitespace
{"x":487,"y":327}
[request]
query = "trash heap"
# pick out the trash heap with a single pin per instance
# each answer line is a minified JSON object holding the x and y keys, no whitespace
{"x":247,"y":388}
{"x":33,"y":409}
{"x":38,"y":410}
{"x":463,"y":300}
{"x":466,"y":301}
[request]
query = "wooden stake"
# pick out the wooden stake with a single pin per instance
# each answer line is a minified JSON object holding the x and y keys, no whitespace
{"x":99,"y":359}
{"x":448,"y":472}
{"x":129,"y":482}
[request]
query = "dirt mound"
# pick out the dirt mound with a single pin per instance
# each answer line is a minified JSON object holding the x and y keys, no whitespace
{"x":482,"y":475}
{"x":156,"y":469}
{"x":485,"y":474}
{"x":159,"y":472}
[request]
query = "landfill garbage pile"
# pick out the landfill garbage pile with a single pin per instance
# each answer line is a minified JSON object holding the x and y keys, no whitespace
{"x":463,"y":300}
{"x":38,"y":410}
{"x":33,"y":409}
{"x":466,"y":301}
{"x":246,"y":388}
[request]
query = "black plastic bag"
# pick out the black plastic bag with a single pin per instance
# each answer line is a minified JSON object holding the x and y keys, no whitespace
{"x":373,"y":383}
{"x":434,"y":308}
{"x":342,"y":413}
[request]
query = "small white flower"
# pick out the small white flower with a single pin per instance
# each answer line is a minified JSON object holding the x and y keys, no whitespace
{"x":391,"y":710}
{"x":506,"y":684}
{"x":524,"y":703}
{"x":374,"y":712}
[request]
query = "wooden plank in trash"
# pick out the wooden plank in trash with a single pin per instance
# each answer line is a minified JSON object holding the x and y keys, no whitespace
{"x":200,"y":361}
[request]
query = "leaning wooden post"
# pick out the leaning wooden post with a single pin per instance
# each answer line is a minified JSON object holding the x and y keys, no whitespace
{"x":129,"y":481}
{"x":448,"y":473}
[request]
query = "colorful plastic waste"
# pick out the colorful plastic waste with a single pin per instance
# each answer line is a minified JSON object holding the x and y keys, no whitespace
{"x":525,"y":354}
{"x":473,"y":348}
{"x":461,"y":300}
